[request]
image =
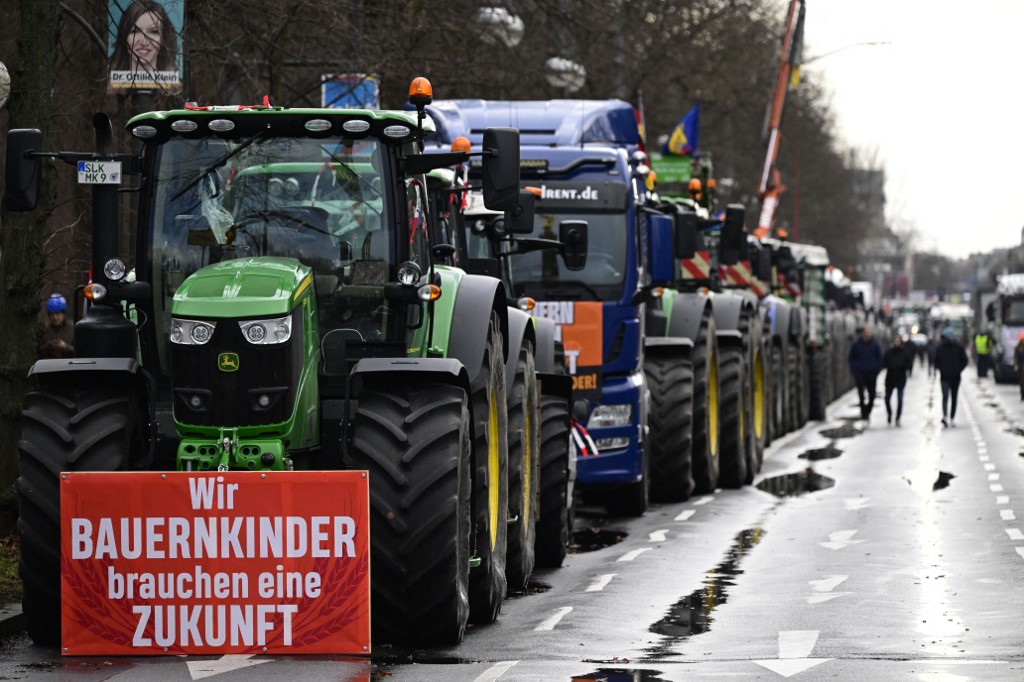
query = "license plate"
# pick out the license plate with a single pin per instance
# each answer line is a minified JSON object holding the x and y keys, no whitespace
{"x":99,"y":172}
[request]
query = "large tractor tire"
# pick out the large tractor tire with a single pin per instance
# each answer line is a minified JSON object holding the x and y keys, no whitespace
{"x":523,"y":470}
{"x":487,"y":582}
{"x":820,"y":381}
{"x":68,"y":425}
{"x":778,"y":378}
{"x":794,"y":386}
{"x":706,"y":408}
{"x":670,"y":378}
{"x":734,"y":429}
{"x":805,"y":387}
{"x":416,"y":441}
{"x":757,"y":397}
{"x":554,"y":529}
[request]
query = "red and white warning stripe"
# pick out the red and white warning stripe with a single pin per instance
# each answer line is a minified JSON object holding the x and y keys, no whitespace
{"x":698,"y":267}
{"x":737,"y":275}
{"x":584,"y":443}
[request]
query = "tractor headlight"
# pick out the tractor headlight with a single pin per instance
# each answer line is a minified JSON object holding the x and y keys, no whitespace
{"x":409,"y":273}
{"x":267,"y":332}
{"x":115,"y":269}
{"x":605,"y":416}
{"x":191,"y":332}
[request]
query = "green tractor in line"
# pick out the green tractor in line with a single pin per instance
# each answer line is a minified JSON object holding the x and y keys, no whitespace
{"x":287,"y":309}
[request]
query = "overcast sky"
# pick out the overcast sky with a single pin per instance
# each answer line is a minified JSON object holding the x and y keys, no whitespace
{"x":943,"y":107}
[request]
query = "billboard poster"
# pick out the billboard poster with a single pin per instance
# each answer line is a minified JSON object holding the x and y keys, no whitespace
{"x":144,"y":45}
{"x":350,"y":91}
{"x":579,"y":325}
{"x":215,"y":563}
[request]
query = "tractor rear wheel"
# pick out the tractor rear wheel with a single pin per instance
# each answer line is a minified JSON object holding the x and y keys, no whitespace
{"x":487,"y":581}
{"x":523,"y":470}
{"x":734,"y":451}
{"x":66,"y":426}
{"x":778,"y":378}
{"x":820,"y":377}
{"x":706,"y":404}
{"x":794,"y":386}
{"x":554,"y":529}
{"x":670,"y":378}
{"x":415,"y":441}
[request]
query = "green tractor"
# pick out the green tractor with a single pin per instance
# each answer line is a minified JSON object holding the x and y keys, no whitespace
{"x":287,"y":309}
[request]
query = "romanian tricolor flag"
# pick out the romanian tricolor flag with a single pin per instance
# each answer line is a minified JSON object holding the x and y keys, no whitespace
{"x":683,"y":140}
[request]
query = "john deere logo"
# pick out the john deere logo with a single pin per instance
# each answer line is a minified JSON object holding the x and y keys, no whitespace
{"x":227,"y":362}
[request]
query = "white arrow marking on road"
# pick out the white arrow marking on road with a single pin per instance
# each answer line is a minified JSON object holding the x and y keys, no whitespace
{"x":225,"y":664}
{"x":600,"y":582}
{"x":996,"y":487}
{"x":1003,"y":499}
{"x":840,"y":539}
{"x":855,"y":503}
{"x":794,"y":648}
{"x":828,"y":596}
{"x":827,"y":584}
{"x":685,"y":515}
{"x":1007,"y":515}
{"x":629,"y":556}
{"x":551,"y":621}
{"x":990,"y":466}
{"x":657,"y":535}
{"x":495,"y":671}
{"x":1015,"y":533}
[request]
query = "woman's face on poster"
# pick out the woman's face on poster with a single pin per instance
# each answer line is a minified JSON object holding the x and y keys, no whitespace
{"x":145,"y":37}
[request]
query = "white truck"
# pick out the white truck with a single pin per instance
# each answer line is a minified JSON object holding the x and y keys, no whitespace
{"x":1007,"y":325}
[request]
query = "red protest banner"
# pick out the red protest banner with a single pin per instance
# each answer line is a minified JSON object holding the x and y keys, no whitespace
{"x":212,"y":563}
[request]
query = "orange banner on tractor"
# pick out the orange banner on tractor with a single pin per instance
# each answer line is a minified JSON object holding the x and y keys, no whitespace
{"x":215,"y":563}
{"x":580,"y":327}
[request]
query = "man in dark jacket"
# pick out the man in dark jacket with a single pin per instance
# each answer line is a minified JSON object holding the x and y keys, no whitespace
{"x":950,"y":360}
{"x":865,"y":364}
{"x":897,"y":362}
{"x":57,"y":338}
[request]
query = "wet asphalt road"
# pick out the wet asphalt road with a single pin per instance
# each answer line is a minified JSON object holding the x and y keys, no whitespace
{"x":882,"y":553}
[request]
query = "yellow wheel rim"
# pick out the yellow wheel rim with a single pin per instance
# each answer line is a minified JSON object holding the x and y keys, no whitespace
{"x":713,"y":404}
{"x":527,"y":463}
{"x":493,"y":468}
{"x":759,"y":401}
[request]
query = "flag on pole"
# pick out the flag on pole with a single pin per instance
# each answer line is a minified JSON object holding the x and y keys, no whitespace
{"x":683,"y":140}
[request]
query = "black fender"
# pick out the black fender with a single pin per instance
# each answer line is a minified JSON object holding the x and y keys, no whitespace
{"x":559,"y":385}
{"x":671,"y":345}
{"x":443,"y":370}
{"x":728,"y":308}
{"x":476,"y":298}
{"x":688,"y":311}
{"x":544,"y":330}
{"x":520,"y":330}
{"x":54,"y":367}
{"x":783,"y":314}
{"x":729,"y":337}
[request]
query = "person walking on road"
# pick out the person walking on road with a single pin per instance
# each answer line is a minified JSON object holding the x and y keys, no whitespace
{"x":897,"y":362}
{"x":929,"y":351}
{"x":1018,"y":363}
{"x":983,"y":351}
{"x":950,"y":360}
{"x":865,"y":363}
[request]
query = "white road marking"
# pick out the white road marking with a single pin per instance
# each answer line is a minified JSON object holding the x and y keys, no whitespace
{"x":495,"y":671}
{"x":1020,"y":550}
{"x":1003,"y":499}
{"x":993,"y":477}
{"x":600,"y":582}
{"x":629,"y":556}
{"x":1015,"y":534}
{"x":551,"y":621}
{"x":703,"y":500}
{"x":794,"y":648}
{"x":827,"y":584}
{"x":1007,"y":515}
{"x":996,"y":487}
{"x":855,"y":503}
{"x":225,"y":664}
{"x":657,"y":535}
{"x":686,"y":514}
{"x":983,"y":458}
{"x":990,"y":466}
{"x":840,"y":539}
{"x":824,"y":597}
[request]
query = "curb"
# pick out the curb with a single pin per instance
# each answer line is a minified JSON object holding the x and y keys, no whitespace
{"x":12,"y":620}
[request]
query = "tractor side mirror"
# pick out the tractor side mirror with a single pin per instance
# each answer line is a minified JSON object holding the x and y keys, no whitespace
{"x":762,"y":262}
{"x":521,"y":221}
{"x":660,"y":230}
{"x":687,"y":235}
{"x":22,"y":183}
{"x":573,"y":235}
{"x":501,"y":169}
{"x":733,"y":240}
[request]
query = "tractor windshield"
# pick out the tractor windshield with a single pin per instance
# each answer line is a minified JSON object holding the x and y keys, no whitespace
{"x":542,"y":274}
{"x":317,"y":200}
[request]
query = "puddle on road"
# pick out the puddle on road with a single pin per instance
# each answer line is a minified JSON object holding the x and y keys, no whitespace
{"x":531,"y":588}
{"x":799,"y":483}
{"x":817,"y":454}
{"x":620,"y":675}
{"x":847,"y":430}
{"x":926,"y":480}
{"x":692,"y":614}
{"x":593,"y":539}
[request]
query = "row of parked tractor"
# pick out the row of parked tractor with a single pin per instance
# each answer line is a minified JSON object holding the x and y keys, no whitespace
{"x":486,"y":305}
